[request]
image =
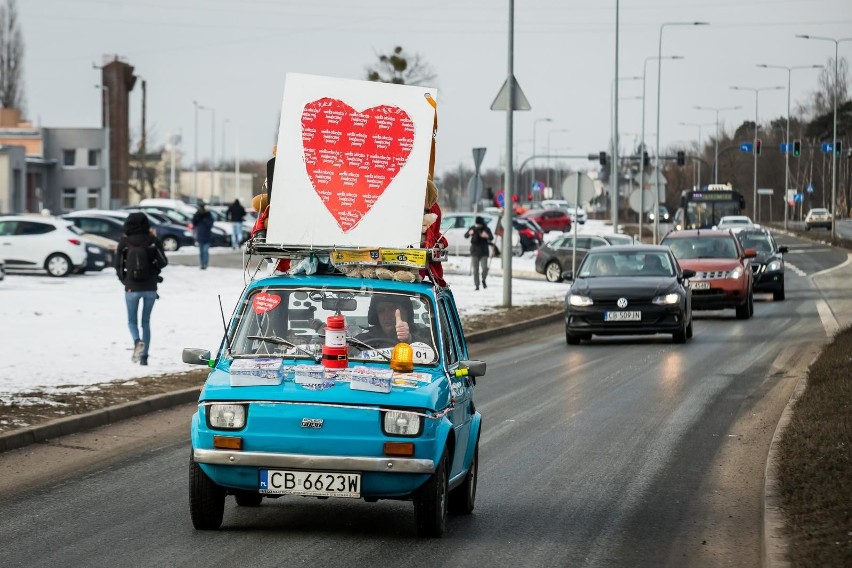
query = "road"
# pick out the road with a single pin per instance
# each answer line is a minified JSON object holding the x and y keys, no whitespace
{"x":620,"y":452}
{"x":844,"y":229}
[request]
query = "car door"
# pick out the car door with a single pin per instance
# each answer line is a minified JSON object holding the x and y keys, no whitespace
{"x":455,"y":350}
{"x":34,"y":241}
{"x":8,"y":250}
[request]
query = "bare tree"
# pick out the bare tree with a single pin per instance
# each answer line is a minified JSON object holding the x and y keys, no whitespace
{"x":11,"y":57}
{"x":823,"y":100}
{"x":401,"y":68}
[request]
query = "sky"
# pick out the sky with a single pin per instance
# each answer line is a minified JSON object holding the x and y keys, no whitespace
{"x":63,"y":334}
{"x":233,"y":56}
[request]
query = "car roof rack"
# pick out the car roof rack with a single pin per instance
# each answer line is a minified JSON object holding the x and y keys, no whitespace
{"x":340,"y":257}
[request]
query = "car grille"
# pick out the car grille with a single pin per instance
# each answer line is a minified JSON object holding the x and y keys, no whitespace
{"x":758,"y":268}
{"x":713,"y":275}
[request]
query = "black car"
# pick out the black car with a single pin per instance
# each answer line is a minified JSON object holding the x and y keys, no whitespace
{"x":98,"y":257}
{"x":219,"y":238}
{"x":629,"y":290}
{"x":96,"y":223}
{"x":529,"y":231}
{"x":557,"y":256}
{"x":171,"y":234}
{"x":768,"y":265}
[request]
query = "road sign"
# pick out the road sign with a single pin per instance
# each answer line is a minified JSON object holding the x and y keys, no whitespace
{"x":501,"y":101}
{"x":636,"y":199}
{"x":537,"y":186}
{"x":787,"y":148}
{"x":746,"y":147}
{"x":579,"y":186}
{"x":765,"y":191}
{"x":500,"y":198}
{"x":827,"y":147}
{"x":478,"y":154}
{"x":810,"y":188}
{"x":474,"y":189}
{"x":799,"y":198}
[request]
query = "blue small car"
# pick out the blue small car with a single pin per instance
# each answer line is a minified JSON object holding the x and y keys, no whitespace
{"x":381,"y":410}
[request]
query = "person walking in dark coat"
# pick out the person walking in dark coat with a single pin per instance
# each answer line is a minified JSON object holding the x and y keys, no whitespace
{"x":480,"y":243}
{"x":202,"y":222}
{"x":236,"y":213}
{"x":139,"y":259}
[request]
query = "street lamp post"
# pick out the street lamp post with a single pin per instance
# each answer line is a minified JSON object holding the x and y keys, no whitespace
{"x":837,"y":43}
{"x":787,"y":137}
{"x":657,"y":152}
{"x":535,"y":147}
{"x":756,"y":92}
{"x":717,"y":110}
{"x":700,"y":148}
{"x":221,"y":179}
{"x":212,"y":149}
{"x":642,"y":140}
{"x":195,"y":156}
{"x":105,"y":117}
{"x":613,"y":175}
{"x":549,"y":134}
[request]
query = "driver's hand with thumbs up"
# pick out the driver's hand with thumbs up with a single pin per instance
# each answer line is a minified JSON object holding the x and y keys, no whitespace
{"x":402,"y":331}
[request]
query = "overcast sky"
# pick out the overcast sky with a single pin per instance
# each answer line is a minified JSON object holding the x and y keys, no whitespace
{"x":233,"y":56}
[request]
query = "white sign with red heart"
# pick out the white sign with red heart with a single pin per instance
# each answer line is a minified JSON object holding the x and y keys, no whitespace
{"x":352,"y":163}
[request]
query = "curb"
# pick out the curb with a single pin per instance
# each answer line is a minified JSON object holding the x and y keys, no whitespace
{"x":89,"y":420}
{"x":95,"y":418}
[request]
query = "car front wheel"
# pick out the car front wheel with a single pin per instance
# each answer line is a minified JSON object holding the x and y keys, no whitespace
{"x":58,"y":265}
{"x":463,"y":497}
{"x":170,"y":244}
{"x":206,"y":500}
{"x":430,"y":502}
{"x":553,"y":272}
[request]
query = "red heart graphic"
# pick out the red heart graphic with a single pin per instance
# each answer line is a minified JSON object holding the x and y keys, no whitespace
{"x":264,"y":302}
{"x":351,"y":157}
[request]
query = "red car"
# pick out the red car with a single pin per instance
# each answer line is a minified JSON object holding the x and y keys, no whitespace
{"x":553,"y":219}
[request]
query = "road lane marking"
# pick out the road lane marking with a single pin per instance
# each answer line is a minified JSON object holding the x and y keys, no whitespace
{"x":828,"y":320}
{"x":795,"y":269}
{"x":838,"y":267}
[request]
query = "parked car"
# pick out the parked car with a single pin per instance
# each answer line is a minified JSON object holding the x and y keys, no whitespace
{"x":555,"y":257}
{"x":171,"y":235}
{"x":768,"y":265}
{"x":98,"y":255}
{"x":629,"y":290}
{"x":2,"y":269}
{"x":550,"y":219}
{"x":455,"y":225}
{"x":42,"y":243}
{"x":724,"y":277}
{"x":530,"y":233}
{"x":271,"y":421}
{"x":182,"y":217}
{"x":735,"y":222}
{"x":577,"y":214}
{"x":818,"y":217}
{"x":97,"y":223}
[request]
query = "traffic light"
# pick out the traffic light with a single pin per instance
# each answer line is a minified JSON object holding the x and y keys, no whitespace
{"x":681,"y":158}
{"x":646,"y":159}
{"x":757,"y":146}
{"x":602,"y":158}
{"x":838,"y":149}
{"x":797,"y":148}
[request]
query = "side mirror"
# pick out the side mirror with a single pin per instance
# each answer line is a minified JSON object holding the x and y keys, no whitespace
{"x":195,"y":356}
{"x":750,"y":253}
{"x":567,"y":275}
{"x":473,"y":368}
{"x":783,"y":250}
{"x":687,"y":274}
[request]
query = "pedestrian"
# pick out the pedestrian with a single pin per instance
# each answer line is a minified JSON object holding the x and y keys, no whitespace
{"x":236,"y":213}
{"x":139,"y":259}
{"x":481,"y":238}
{"x":202,"y":222}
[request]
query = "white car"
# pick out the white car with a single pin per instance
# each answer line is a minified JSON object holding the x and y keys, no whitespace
{"x":42,"y":243}
{"x":2,"y":269}
{"x":577,"y":214}
{"x":455,"y":225}
{"x":735,"y":222}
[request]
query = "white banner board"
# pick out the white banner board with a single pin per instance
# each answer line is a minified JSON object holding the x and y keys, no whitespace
{"x":352,"y":163}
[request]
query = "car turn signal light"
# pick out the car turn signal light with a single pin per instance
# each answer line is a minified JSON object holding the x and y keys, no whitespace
{"x":227,"y":442}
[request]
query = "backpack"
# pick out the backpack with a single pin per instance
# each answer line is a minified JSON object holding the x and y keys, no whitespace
{"x":143,"y":263}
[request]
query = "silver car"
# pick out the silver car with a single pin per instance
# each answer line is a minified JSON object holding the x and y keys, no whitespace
{"x":455,"y":225}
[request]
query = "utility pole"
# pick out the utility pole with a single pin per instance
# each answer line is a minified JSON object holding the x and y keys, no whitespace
{"x":143,"y":173}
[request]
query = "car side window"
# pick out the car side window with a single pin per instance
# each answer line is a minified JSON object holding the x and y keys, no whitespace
{"x":449,"y":345}
{"x":32,"y":228}
{"x":595,"y":242}
{"x":583,"y":243}
{"x":7,"y":228}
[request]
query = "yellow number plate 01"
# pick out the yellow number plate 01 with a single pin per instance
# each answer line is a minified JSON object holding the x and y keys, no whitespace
{"x":316,"y":483}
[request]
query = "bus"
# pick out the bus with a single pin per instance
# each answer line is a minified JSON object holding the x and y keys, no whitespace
{"x":703,"y":208}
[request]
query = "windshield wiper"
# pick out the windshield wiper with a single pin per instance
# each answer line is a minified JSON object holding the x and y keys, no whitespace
{"x":281,"y":341}
{"x":368,"y":346}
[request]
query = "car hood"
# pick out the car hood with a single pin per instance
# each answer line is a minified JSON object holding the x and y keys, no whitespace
{"x":434,"y":395}
{"x":709,"y":264}
{"x":765,"y":258}
{"x":624,"y":287}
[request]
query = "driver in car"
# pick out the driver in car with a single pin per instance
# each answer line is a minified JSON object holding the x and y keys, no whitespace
{"x":391,"y":320}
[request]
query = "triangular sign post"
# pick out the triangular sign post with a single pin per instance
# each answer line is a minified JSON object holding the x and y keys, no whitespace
{"x":501,"y":102}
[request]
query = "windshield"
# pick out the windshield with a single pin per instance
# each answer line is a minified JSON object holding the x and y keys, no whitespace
{"x":759,"y":242}
{"x":599,"y":264}
{"x":703,"y":247}
{"x":290,"y":322}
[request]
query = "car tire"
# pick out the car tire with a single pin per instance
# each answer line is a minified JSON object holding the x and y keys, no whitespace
{"x":206,"y":500}
{"x":58,"y":265}
{"x":680,"y":336}
{"x":689,"y":330}
{"x":170,"y":244}
{"x":751,"y":304}
{"x":779,"y":295}
{"x":430,"y":502}
{"x":553,"y":272}
{"x":570,"y":338}
{"x":248,"y":499}
{"x":744,"y":310}
{"x":463,"y":497}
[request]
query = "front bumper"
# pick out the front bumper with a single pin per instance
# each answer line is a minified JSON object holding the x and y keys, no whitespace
{"x":655,"y":319}
{"x":769,"y":281}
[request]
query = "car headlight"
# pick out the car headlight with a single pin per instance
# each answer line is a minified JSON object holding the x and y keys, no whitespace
{"x":187,"y":234}
{"x":774,"y":265}
{"x":736,"y":272}
{"x":666,"y":299}
{"x":580,"y":301}
{"x":401,"y":423}
{"x":226,"y":416}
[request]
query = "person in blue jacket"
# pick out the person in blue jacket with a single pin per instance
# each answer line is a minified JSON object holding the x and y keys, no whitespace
{"x":202,"y":222}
